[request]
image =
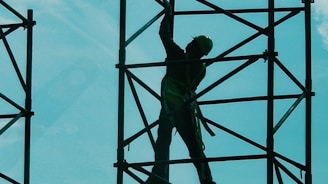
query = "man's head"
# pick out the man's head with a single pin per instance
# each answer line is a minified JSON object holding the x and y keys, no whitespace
{"x":199,"y":46}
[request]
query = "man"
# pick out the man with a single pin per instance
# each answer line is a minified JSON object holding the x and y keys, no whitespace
{"x":178,"y":86}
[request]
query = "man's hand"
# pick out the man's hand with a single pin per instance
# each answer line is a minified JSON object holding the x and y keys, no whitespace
{"x":167,"y":7}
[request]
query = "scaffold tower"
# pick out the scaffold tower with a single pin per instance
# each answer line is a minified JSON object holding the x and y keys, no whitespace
{"x":15,"y":98}
{"x":257,"y":98}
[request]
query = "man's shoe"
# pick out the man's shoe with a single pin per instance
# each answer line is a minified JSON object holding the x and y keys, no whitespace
{"x":156,"y":181}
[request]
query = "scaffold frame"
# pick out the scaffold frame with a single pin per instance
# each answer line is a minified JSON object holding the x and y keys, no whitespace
{"x":273,"y":159}
{"x":24,"y":110}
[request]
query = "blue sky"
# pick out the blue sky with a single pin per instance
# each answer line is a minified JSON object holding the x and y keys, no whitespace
{"x":75,"y":90}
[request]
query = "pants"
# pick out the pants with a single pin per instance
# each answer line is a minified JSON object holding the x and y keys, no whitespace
{"x":184,"y":121}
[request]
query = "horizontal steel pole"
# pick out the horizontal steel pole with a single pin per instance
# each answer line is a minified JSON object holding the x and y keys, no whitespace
{"x":211,"y":60}
{"x":209,"y":159}
{"x":257,"y":10}
{"x":247,"y":99}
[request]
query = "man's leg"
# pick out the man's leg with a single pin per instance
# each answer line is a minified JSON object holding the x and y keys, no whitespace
{"x":187,"y":129}
{"x":162,"y":150}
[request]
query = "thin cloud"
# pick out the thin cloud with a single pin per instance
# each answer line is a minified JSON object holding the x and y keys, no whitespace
{"x":82,"y":23}
{"x":14,"y":135}
{"x":321,"y":16}
{"x":81,"y":20}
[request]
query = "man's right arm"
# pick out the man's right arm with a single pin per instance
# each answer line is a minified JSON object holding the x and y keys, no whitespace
{"x":166,"y":33}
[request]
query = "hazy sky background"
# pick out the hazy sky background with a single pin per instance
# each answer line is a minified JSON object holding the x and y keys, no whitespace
{"x":75,"y":90}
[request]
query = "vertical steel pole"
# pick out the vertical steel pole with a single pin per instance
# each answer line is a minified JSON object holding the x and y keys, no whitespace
{"x":172,"y":2}
{"x":308,"y":85}
{"x":270,"y":103}
{"x":28,"y":99}
{"x":122,"y":54}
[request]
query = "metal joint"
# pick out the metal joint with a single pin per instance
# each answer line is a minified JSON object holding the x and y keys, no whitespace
{"x":304,"y":1}
{"x":267,"y":54}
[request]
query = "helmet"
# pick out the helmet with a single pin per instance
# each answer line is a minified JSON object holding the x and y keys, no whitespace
{"x":204,"y":43}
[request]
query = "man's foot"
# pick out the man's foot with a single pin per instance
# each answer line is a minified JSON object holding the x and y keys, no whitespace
{"x":156,"y":181}
{"x":208,"y":182}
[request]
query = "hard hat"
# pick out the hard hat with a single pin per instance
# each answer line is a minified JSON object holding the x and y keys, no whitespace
{"x":204,"y":43}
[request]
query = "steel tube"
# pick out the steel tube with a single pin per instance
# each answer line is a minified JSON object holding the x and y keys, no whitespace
{"x":270,"y":92}
{"x":120,"y":133}
{"x":28,"y":99}
{"x":308,"y":85}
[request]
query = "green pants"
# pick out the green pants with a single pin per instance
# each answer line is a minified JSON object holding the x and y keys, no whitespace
{"x":184,"y":121}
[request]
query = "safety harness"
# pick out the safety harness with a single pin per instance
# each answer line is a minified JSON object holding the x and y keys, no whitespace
{"x":178,"y":92}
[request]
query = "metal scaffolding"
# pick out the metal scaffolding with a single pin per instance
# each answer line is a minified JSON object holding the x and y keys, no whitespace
{"x":14,"y":109}
{"x":278,"y":166}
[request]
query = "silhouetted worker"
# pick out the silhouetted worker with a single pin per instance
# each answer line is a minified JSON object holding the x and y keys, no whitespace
{"x":179,"y":85}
